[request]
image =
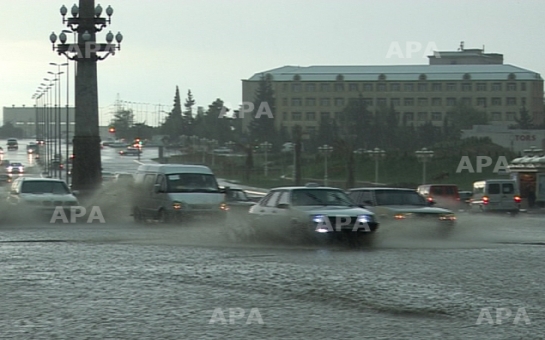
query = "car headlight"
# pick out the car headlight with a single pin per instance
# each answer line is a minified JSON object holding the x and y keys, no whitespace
{"x":447,"y":217}
{"x":176,"y":205}
{"x":10,"y":168}
{"x":365,"y":219}
{"x":401,"y":216}
{"x":321,"y":223}
{"x":224,"y":206}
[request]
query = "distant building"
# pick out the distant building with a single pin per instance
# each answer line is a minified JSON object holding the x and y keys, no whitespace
{"x":25,"y":118}
{"x":419,"y":93}
{"x":513,"y":139}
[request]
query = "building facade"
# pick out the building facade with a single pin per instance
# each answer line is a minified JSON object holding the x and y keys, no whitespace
{"x":25,"y":118}
{"x":513,"y":139}
{"x":418,"y":93}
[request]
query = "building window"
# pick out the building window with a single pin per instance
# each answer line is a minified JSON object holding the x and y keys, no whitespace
{"x":395,"y":102}
{"x":339,"y":87}
{"x":422,"y":101}
{"x":481,"y":86}
{"x":422,"y":116}
{"x":381,"y":87}
{"x":422,"y":87}
{"x":409,"y":87}
{"x":339,"y":101}
{"x":296,"y":116}
{"x":296,"y":102}
{"x":523,"y":86}
{"x":408,"y":101}
{"x":451,"y":101}
{"x":481,"y":101}
{"x":324,"y":102}
{"x":310,"y":102}
{"x":368,"y":101}
{"x":436,"y":102}
{"x":436,"y":116}
{"x":511,"y":116}
{"x":285,"y":101}
{"x":436,"y":87}
{"x":381,"y":102}
{"x":324,"y":87}
{"x":496,"y":101}
{"x":496,"y":116}
{"x":324,"y":116}
{"x":394,"y":87}
{"x":311,"y":87}
{"x":496,"y":86}
{"x":451,"y":87}
{"x":511,"y":86}
{"x":408,"y":116}
{"x":466,"y":101}
{"x":368,"y":87}
{"x":353,"y":87}
{"x":311,"y":116}
{"x":285,"y":116}
{"x":295,"y":87}
{"x":466,"y":87}
{"x":511,"y":101}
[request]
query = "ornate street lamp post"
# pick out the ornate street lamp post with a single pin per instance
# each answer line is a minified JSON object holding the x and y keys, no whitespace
{"x":266,"y":146}
{"x":377,"y":154}
{"x":423,"y":156}
{"x":86,"y":21}
{"x":325,"y":150}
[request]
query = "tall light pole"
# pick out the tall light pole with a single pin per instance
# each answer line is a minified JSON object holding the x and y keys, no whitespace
{"x":266,"y":146}
{"x":49,"y":129}
{"x":86,"y":20}
{"x":325,"y":150}
{"x":423,"y":156}
{"x":377,"y":154}
{"x":59,"y":131}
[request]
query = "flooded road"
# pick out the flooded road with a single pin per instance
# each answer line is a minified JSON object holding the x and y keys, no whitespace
{"x":125,"y":281}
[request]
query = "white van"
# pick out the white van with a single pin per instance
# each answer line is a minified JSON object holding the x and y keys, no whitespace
{"x":177,"y":192}
{"x":495,"y":195}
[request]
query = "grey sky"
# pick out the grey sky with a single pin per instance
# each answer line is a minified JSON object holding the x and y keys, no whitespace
{"x":208,"y":46}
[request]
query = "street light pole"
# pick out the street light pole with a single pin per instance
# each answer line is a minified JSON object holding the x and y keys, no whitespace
{"x":266,"y":146}
{"x":86,"y":20}
{"x":377,"y":154}
{"x":424,"y":155}
{"x":325,"y":150}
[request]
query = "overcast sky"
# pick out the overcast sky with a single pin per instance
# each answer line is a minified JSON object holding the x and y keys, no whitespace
{"x":209,"y":46}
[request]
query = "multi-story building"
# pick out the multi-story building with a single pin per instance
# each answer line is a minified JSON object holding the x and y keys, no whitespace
{"x":418,"y":93}
{"x":25,"y":117}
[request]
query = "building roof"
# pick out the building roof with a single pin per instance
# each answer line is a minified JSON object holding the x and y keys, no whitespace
{"x":398,"y":72}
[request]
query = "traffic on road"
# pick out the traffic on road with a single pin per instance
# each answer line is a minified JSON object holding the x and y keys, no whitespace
{"x":171,"y":251}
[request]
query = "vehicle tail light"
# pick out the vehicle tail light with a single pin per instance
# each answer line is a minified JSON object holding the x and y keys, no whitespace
{"x":517,"y":199}
{"x":430,"y":199}
{"x":485,"y":200}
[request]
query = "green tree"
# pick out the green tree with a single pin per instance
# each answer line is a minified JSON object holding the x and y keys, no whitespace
{"x":524,"y":121}
{"x":188,"y":114}
{"x":123,"y":122}
{"x":174,"y":124}
{"x":463,"y":116}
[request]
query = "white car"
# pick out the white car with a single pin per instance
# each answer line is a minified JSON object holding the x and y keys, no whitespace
{"x":40,"y":196}
{"x":312,"y":213}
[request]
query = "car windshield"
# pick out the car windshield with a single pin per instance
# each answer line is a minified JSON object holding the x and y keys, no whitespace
{"x":16,"y":164}
{"x":320,"y":197}
{"x":191,"y":183}
{"x":44,"y":187}
{"x":237,"y":195}
{"x":399,"y":197}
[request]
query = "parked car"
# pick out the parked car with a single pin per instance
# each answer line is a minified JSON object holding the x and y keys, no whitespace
{"x":399,"y":204}
{"x":444,"y":195}
{"x":311,"y":213}
{"x":495,"y":195}
{"x":40,"y":196}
